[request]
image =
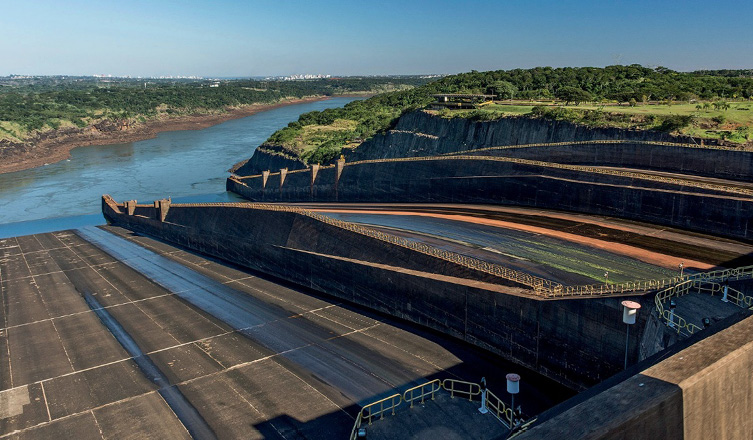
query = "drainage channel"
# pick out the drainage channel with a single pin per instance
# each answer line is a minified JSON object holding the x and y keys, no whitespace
{"x":187,"y":414}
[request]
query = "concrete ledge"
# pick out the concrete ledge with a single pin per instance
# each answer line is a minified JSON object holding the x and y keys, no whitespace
{"x":702,"y":391}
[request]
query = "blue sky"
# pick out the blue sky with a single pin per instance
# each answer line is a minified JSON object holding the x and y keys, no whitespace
{"x":250,"y":38}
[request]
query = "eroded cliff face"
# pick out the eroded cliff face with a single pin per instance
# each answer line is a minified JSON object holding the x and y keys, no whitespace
{"x":423,"y":134}
{"x":267,"y":157}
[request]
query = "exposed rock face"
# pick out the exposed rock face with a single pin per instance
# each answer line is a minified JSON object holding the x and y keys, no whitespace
{"x":267,"y":157}
{"x":422,"y":134}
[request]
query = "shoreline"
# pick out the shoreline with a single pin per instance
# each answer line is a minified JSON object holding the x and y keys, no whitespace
{"x":58,"y":147}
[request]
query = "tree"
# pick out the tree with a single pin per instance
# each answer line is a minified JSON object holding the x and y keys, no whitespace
{"x":572,"y":94}
{"x":503,"y":89}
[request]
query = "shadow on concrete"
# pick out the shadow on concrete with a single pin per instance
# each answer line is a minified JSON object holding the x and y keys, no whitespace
{"x":329,"y":426}
{"x":742,"y":260}
{"x":537,"y":393}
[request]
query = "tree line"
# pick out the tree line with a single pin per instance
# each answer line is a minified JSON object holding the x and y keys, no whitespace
{"x":40,"y":104}
{"x":632,"y":84}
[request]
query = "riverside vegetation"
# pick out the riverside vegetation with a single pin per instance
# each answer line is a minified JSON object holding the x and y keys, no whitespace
{"x":706,"y":104}
{"x":33,"y":105}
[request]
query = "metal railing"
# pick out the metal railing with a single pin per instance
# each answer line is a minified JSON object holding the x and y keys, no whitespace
{"x":498,"y":408}
{"x":468,"y":389}
{"x":739,"y":299}
{"x":671,"y":319}
{"x":698,"y":284}
{"x":455,"y":387}
{"x":390,"y":403}
{"x":433,"y":386}
{"x":354,"y":431}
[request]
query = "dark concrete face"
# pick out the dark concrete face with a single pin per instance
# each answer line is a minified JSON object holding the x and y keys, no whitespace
{"x":702,"y":391}
{"x":578,"y":342}
{"x":487,"y":181}
{"x":278,"y":362}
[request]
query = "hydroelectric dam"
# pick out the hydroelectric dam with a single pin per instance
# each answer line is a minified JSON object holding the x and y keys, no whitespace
{"x":367,"y":293}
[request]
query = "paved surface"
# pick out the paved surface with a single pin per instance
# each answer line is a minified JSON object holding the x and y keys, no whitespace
{"x":252,"y":358}
{"x":693,"y":307}
{"x":442,"y":418}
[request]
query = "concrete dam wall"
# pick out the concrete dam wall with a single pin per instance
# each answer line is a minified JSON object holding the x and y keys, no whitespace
{"x":697,"y":392}
{"x":685,"y":204}
{"x":577,"y":341}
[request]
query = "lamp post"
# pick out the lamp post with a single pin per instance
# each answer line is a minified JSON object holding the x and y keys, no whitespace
{"x":606,"y":277}
{"x":629,"y":312}
{"x":681,"y":266}
{"x":513,"y":387}
{"x":483,"y":409}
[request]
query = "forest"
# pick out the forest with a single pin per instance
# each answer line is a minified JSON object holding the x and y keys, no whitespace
{"x":629,"y":85}
{"x":28,"y":105}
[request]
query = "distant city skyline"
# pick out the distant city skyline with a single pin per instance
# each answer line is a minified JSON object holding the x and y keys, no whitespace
{"x":286,"y":38}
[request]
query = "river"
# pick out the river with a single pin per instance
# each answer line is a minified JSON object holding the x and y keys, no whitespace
{"x":189,"y":166}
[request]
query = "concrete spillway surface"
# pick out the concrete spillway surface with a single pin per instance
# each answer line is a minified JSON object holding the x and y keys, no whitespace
{"x":109,"y":335}
{"x":548,"y":257}
{"x":564,"y":247}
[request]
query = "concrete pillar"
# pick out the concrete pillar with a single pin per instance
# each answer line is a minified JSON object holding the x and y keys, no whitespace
{"x":283,"y":173}
{"x":340,"y":166}
{"x":130,"y":207}
{"x":264,"y":178}
{"x":338,"y":172}
{"x":164,"y":206}
{"x":314,"y":172}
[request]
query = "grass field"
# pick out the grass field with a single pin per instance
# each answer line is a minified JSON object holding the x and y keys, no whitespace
{"x":734,"y":124}
{"x":312,"y":136}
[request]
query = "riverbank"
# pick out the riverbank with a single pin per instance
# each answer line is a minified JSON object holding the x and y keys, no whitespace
{"x":54,"y":146}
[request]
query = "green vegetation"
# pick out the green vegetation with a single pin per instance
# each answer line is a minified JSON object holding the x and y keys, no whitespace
{"x":705,"y":104}
{"x":731,"y":121}
{"x":31,"y":105}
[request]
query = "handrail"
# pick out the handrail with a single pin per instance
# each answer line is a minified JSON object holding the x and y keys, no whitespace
{"x":523,"y":428}
{"x":354,"y":431}
{"x":392,"y":405}
{"x":474,"y":389}
{"x":466,"y":389}
{"x":423,"y":394}
{"x":498,"y":408}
